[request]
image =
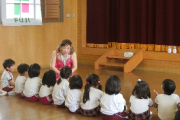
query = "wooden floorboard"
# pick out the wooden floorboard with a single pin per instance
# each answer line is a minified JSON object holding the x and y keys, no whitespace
{"x":13,"y":108}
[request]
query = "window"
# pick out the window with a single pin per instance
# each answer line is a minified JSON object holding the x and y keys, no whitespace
{"x":21,"y":12}
{"x":52,"y":10}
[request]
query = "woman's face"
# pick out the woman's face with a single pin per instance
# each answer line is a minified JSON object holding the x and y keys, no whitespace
{"x":65,"y":49}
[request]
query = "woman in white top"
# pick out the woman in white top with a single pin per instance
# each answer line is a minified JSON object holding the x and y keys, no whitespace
{"x":74,"y":94}
{"x":140,"y":101}
{"x":91,"y":96}
{"x":33,"y":83}
{"x":48,"y":82}
{"x":112,"y":102}
{"x":21,"y":79}
{"x":61,"y":87}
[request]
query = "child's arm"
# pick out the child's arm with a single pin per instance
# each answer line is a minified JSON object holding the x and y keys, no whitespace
{"x":155,"y":92}
{"x":11,"y":82}
{"x":155,"y":105}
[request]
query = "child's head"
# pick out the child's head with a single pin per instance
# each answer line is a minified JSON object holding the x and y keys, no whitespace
{"x":168,"y":86}
{"x":65,"y":73}
{"x":75,"y":82}
{"x":34,"y":70}
{"x":141,"y":90}
{"x":22,"y":68}
{"x":65,"y":47}
{"x":92,"y":80}
{"x":49,"y":78}
{"x":8,"y":64}
{"x":113,"y":85}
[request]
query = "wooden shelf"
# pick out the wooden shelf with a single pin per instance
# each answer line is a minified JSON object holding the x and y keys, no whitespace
{"x":117,"y":57}
{"x":112,"y":64}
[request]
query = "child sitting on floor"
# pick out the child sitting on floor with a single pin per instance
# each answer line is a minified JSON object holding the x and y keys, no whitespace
{"x":74,"y":94}
{"x":168,"y":101}
{"x":33,"y":83}
{"x":7,"y":82}
{"x":48,"y":82}
{"x":60,"y":89}
{"x":21,"y":79}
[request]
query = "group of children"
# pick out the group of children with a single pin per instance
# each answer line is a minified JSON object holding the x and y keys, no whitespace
{"x":92,"y":101}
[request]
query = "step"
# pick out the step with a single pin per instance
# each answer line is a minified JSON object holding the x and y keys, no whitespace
{"x":112,"y":64}
{"x":117,"y":57}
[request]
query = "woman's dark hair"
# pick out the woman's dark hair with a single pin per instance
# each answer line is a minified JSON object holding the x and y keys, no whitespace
{"x":168,"y":86}
{"x":22,"y":68}
{"x":141,"y":90}
{"x":65,"y":43}
{"x":113,"y":85}
{"x":8,"y":63}
{"x":75,"y":82}
{"x":34,"y":70}
{"x":91,"y":80}
{"x":65,"y":73}
{"x":49,"y":78}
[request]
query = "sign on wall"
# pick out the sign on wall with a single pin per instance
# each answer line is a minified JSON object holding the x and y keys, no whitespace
{"x":21,"y":12}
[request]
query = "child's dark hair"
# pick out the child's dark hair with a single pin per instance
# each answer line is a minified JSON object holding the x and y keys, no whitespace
{"x":113,"y":85}
{"x":65,"y":73}
{"x":91,"y":80}
{"x":34,"y":70}
{"x":49,"y":78}
{"x":8,"y":63}
{"x":22,"y":68}
{"x":168,"y":86}
{"x":75,"y":82}
{"x":65,"y":43}
{"x":141,"y":90}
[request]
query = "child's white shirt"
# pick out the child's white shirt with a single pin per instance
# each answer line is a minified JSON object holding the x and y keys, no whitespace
{"x":167,"y":106}
{"x":5,"y":78}
{"x":112,"y":104}
{"x":139,"y":105}
{"x":94,"y":99}
{"x":45,"y":91}
{"x":20,"y":83}
{"x":32,"y":86}
{"x":60,"y":92}
{"x":73,"y":99}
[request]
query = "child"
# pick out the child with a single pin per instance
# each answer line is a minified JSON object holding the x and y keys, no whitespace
{"x":112,"y":102}
{"x":140,"y":101}
{"x":7,"y":82}
{"x":61,"y":87}
{"x":21,"y":79}
{"x":74,"y":94}
{"x":167,"y":102}
{"x":33,"y":83}
{"x":48,"y":82}
{"x":91,"y":96}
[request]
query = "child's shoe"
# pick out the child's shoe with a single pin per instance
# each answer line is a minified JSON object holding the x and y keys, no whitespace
{"x":2,"y":92}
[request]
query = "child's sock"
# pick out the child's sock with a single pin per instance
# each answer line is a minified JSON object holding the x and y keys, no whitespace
{"x":2,"y":92}
{"x":12,"y":93}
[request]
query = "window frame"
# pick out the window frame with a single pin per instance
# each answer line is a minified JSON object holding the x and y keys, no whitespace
{"x":61,"y":12}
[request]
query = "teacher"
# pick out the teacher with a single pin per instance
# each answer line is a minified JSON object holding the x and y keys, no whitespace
{"x":63,"y":56}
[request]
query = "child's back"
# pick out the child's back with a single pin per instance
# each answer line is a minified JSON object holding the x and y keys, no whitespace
{"x":90,"y":98}
{"x":167,"y":102}
{"x":167,"y":106}
{"x":21,"y":79}
{"x":74,"y":94}
{"x":61,"y":87}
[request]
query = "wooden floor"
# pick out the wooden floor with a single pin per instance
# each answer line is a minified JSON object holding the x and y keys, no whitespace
{"x":13,"y":108}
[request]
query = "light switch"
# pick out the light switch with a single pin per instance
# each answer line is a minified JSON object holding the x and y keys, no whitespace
{"x":74,"y":15}
{"x":68,"y":15}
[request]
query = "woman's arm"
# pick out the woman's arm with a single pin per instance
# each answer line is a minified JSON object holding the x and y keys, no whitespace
{"x":74,"y":60}
{"x":52,"y":63}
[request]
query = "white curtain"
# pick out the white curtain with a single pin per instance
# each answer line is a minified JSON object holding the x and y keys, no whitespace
{"x":21,"y":12}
